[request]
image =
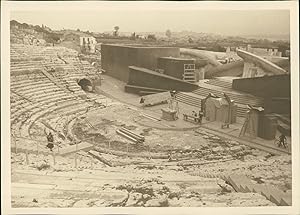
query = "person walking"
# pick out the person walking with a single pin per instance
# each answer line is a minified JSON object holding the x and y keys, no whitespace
{"x":282,"y":141}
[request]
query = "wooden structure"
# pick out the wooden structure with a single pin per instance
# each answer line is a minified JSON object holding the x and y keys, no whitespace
{"x":169,"y":114}
{"x":259,"y":124}
{"x":157,"y":98}
{"x":220,"y":109}
{"x":187,"y":117}
{"x":189,"y":73}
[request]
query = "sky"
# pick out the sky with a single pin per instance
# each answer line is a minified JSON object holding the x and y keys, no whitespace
{"x":225,"y":22}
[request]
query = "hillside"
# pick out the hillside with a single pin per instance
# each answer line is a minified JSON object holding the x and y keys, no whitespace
{"x":32,"y":34}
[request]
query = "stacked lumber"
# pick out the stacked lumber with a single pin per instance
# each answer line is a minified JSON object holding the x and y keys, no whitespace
{"x":136,"y":138}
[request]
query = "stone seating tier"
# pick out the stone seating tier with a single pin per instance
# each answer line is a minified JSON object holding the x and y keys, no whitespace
{"x":35,"y":107}
{"x":27,"y":88}
{"x":47,"y":98}
{"x":219,"y":83}
{"x":27,"y":124}
{"x":44,"y":103}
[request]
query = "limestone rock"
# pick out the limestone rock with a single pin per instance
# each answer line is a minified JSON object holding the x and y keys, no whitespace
{"x":218,"y":149}
{"x":133,"y":199}
{"x":215,"y":138}
{"x":185,"y":202}
{"x":233,"y":142}
{"x":158,"y":202}
{"x":146,"y":197}
{"x":81,"y":203}
{"x":236,"y":148}
{"x":204,"y":188}
{"x":152,"y":203}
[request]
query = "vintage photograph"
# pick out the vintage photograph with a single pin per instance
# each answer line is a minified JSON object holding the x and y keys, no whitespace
{"x":168,"y":107}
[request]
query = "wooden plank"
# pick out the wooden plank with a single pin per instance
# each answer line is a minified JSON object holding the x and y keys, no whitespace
{"x":84,"y":146}
{"x":134,"y":135}
{"x":127,"y":136}
{"x":150,"y":117}
{"x":98,"y":157}
{"x":157,"y":98}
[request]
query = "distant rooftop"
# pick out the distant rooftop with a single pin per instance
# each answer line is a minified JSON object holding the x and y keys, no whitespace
{"x":139,"y":46}
{"x":177,"y":58}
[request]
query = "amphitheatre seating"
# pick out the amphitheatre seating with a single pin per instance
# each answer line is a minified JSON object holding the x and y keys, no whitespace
{"x":30,"y":58}
{"x":36,"y":97}
{"x":219,"y":83}
{"x":48,"y":99}
{"x":189,"y":99}
{"x":195,"y":101}
{"x":25,"y":65}
{"x":238,"y":98}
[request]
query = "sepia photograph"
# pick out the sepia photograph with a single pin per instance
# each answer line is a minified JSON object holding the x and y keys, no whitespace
{"x":142,"y":105}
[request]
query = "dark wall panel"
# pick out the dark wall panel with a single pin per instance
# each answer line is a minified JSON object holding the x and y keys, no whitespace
{"x":267,"y":86}
{"x":116,"y":59}
{"x":173,"y":66}
{"x":148,"y":78}
{"x":278,"y":105}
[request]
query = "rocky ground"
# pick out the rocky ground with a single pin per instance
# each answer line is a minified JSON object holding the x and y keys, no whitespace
{"x":164,"y":171}
{"x":43,"y":184}
{"x":188,"y":147}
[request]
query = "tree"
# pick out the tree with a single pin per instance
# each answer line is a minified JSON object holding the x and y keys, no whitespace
{"x":116,"y":29}
{"x":151,"y":37}
{"x":133,"y":36}
{"x":168,"y":33}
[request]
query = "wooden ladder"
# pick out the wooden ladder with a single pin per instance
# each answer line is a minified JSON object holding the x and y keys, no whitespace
{"x":189,"y":73}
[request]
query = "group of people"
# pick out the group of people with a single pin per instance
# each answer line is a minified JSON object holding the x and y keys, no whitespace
{"x":282,"y":142}
{"x":198,"y":117}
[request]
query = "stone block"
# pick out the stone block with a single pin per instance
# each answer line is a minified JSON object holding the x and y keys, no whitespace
{"x":233,"y":184}
{"x":286,"y":200}
{"x":276,"y":195}
{"x":245,"y":188}
{"x":256,"y":188}
{"x":240,"y":181}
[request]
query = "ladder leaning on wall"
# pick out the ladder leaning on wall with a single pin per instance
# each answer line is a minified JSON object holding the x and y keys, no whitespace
{"x":189,"y":73}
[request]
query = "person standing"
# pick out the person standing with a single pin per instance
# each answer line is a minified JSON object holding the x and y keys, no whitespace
{"x":50,"y":139}
{"x":142,"y":102}
{"x":200,"y":116}
{"x":195,"y":116}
